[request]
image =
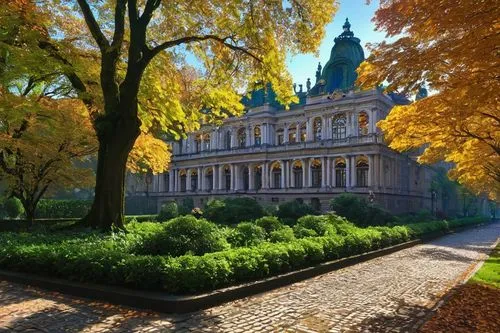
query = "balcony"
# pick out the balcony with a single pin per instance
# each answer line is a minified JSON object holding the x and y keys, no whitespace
{"x":265,"y":148}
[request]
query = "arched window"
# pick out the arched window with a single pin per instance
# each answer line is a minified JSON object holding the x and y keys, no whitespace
{"x":317,"y":129}
{"x":258,"y":177}
{"x":280,"y":138}
{"x":242,"y":138}
{"x":362,"y":123}
{"x":303,"y":132}
{"x":340,"y":174}
{"x":339,"y":126}
{"x":292,"y":134}
{"x":209,"y":179}
{"x":276,"y":175}
{"x":316,"y":173}
{"x":257,"y":135}
{"x":227,"y":177}
{"x":362,"y":171}
{"x":182,"y":174}
{"x":194,"y":180}
{"x":297,"y":174}
{"x":197,"y":142}
{"x":246,"y":178}
{"x":206,"y":141}
{"x":227,"y":140}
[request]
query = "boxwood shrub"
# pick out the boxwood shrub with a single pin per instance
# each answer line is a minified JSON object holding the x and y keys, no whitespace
{"x":110,"y":259}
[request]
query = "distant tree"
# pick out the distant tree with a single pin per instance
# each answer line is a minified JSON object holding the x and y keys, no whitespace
{"x":451,"y":47}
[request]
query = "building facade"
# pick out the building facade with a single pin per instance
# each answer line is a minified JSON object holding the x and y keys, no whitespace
{"x":326,"y":144}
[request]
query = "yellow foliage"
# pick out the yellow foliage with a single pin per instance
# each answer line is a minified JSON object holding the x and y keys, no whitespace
{"x":453,"y":49}
{"x":149,"y":153}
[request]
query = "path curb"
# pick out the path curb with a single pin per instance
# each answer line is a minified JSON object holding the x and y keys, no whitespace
{"x":159,"y":301}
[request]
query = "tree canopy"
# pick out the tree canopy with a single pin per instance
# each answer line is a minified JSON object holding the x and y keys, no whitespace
{"x":452,"y":48}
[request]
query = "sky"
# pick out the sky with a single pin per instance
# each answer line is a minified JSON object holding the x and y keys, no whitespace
{"x":304,"y":66}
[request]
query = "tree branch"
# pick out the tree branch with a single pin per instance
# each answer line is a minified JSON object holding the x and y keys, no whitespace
{"x":120,"y":10}
{"x":190,"y":39}
{"x":151,"y":6}
{"x":93,"y":26}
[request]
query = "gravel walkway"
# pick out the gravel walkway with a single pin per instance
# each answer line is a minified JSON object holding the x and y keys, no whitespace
{"x":394,"y":293}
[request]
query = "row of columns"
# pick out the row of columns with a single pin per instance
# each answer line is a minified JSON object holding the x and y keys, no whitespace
{"x":383,"y":172}
{"x":269,"y":133}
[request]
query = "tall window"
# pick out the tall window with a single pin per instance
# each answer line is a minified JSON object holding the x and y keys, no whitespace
{"x":292,"y":134}
{"x":363,"y":123}
{"x":340,"y":174}
{"x":197,"y":142}
{"x":166,"y":179}
{"x":246,"y":178}
{"x":194,"y":181}
{"x":362,"y":172}
{"x":317,"y":129}
{"x":209,"y":179}
{"x":276,"y":175}
{"x":206,"y":141}
{"x":316,"y":173}
{"x":227,"y":140}
{"x":257,"y":135}
{"x":258,"y":177}
{"x":339,"y":126}
{"x":227,"y":177}
{"x":242,"y":137}
{"x":183,"y":180}
{"x":303,"y":132}
{"x":297,"y":174}
{"x":280,"y":137}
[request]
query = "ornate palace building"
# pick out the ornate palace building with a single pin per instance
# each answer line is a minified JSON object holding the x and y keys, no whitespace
{"x":325,"y":145}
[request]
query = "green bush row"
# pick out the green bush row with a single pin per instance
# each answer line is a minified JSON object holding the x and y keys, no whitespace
{"x":109,"y":259}
{"x":48,"y":208}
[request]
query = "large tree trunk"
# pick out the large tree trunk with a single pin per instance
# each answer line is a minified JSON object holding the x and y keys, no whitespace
{"x":115,"y":144}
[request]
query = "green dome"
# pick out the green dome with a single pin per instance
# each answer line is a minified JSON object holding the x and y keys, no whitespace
{"x":340,"y":71}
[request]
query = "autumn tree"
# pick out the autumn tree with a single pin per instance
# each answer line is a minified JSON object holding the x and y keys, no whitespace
{"x":452,"y":48}
{"x":128,"y":60}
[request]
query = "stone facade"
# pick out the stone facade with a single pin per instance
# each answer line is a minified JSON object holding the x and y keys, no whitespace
{"x":326,"y":144}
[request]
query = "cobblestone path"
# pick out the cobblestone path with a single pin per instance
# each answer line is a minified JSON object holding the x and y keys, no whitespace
{"x":390,"y":294}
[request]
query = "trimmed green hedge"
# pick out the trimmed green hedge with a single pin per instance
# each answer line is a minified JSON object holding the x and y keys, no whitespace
{"x":109,"y":259}
{"x":48,"y":208}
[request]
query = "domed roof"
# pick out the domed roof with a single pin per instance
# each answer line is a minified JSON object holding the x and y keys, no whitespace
{"x":340,"y":70}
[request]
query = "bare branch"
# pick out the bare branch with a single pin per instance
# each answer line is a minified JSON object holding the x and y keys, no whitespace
{"x":93,"y":26}
{"x":120,"y":9}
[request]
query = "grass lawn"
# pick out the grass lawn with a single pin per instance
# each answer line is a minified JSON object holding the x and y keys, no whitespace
{"x":489,"y":273}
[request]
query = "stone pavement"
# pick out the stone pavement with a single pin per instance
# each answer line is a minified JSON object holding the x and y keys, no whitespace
{"x":394,"y":293}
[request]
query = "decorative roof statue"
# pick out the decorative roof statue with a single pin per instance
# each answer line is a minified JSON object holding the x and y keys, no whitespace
{"x":308,"y":84}
{"x":347,"y":33}
{"x":318,"y":72}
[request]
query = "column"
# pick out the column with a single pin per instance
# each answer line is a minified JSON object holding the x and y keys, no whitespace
{"x":328,"y":172}
{"x":188,"y":180}
{"x":370,"y":170}
{"x":381,"y":172}
{"x":221,"y":176}
{"x":292,"y":175}
{"x":177,"y":181}
{"x":305,"y":167}
{"x":199,"y":179}
{"x":283,"y":174}
{"x":353,"y":171}
{"x":265,"y":175}
{"x":285,"y":134}
{"x":297,"y":132}
{"x":329,"y":128}
{"x":234,"y":139}
{"x":348,"y":171}
{"x":309,"y":130}
{"x":248,"y":138}
{"x":323,"y":172}
{"x":236,"y":177}
{"x":251,"y":177}
{"x":376,"y":171}
{"x":263,"y":133}
{"x":171,"y":181}
{"x":309,"y":174}
{"x":215,"y":177}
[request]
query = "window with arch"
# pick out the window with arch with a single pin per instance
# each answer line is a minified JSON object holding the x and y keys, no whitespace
{"x":197,"y":142}
{"x":297,"y":174}
{"x":182,"y":174}
{"x":363,"y":123}
{"x":280,"y":136}
{"x":276,"y":175}
{"x":316,"y":173}
{"x":339,"y":126}
{"x":362,"y":171}
{"x":317,"y":129}
{"x":257,"y":136}
{"x":258,"y":177}
{"x":194,"y":180}
{"x":227,"y":140}
{"x":209,"y":179}
{"x":227,"y":177}
{"x":292,"y":134}
{"x":340,"y":172}
{"x":303,"y":132}
{"x":242,"y":137}
{"x":246,"y":178}
{"x":206,"y":141}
